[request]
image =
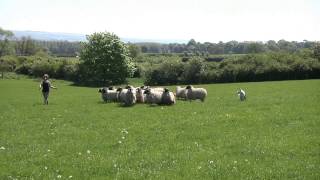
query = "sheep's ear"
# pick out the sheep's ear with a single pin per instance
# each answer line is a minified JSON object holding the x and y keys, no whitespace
{"x":147,"y":91}
{"x":166,"y":90}
{"x":111,"y":88}
{"x":188,"y":87}
{"x":119,"y":89}
{"x":99,"y":90}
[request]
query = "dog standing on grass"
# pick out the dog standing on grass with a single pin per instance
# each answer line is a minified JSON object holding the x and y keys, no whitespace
{"x":242,"y":94}
{"x":45,"y":85}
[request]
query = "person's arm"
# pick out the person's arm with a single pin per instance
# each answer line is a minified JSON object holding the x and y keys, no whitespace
{"x":53,"y":87}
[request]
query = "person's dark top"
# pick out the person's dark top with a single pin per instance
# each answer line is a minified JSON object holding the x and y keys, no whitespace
{"x":46,"y":86}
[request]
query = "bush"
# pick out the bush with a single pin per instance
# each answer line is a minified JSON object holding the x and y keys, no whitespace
{"x":105,"y":59}
{"x":253,"y":67}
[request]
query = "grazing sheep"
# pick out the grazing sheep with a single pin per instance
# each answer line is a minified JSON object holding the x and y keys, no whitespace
{"x":153,"y":97}
{"x":108,"y":94}
{"x":181,"y":92}
{"x":159,"y":97}
{"x":242,"y":94}
{"x":127,"y":96}
{"x":168,"y":97}
{"x":195,"y":93}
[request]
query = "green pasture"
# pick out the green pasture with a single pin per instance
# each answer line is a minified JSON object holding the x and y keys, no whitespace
{"x":275,"y":134}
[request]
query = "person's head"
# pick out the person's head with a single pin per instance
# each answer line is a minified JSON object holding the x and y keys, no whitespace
{"x":45,"y":76}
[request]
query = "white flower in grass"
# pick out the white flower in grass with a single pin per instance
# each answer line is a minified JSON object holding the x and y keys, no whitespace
{"x":199,"y":167}
{"x":115,"y":165}
{"x":88,"y":151}
{"x":48,"y":150}
{"x":210,"y":162}
{"x":123,"y":137}
{"x":70,"y":177}
{"x":235,"y":162}
{"x":59,"y":176}
{"x":124,"y":131}
{"x":119,"y":142}
{"x":45,"y":167}
{"x":79,"y":153}
{"x":2,"y":148}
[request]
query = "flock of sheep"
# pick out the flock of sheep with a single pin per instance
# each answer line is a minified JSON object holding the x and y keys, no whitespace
{"x":130,"y":95}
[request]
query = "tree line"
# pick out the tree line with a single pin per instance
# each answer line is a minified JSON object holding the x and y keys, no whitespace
{"x":304,"y":64}
{"x":105,"y":59}
{"x":231,"y":47}
{"x":9,"y":45}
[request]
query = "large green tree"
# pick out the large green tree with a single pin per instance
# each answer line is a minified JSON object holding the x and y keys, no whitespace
{"x":105,"y":59}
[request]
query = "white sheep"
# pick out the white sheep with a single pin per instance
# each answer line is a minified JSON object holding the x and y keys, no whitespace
{"x":158,"y":89}
{"x":127,"y":96}
{"x":195,"y":93}
{"x":168,"y":97}
{"x":160,"y":97}
{"x":153,"y":97}
{"x":109,"y":94}
{"x":242,"y":94}
{"x":181,"y":92}
{"x":144,"y":87}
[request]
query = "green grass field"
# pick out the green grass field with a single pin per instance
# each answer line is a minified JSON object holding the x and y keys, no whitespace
{"x":275,"y":134}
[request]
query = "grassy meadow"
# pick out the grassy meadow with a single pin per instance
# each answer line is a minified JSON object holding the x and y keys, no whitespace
{"x":275,"y":134}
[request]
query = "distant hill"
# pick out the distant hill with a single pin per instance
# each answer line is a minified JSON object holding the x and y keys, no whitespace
{"x":58,"y":36}
{"x":50,"y":36}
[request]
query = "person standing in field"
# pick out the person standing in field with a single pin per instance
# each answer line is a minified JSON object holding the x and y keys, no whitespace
{"x":45,"y":85}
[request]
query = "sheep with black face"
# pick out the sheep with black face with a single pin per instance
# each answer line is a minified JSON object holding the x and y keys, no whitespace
{"x":195,"y":93}
{"x":127,"y":96}
{"x":181,"y":92}
{"x":108,"y":94}
{"x":164,"y":97}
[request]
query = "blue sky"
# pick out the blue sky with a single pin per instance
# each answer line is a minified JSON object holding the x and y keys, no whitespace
{"x":203,"y":20}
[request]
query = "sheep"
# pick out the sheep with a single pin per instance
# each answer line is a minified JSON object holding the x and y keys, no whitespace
{"x":159,"y":89}
{"x":127,"y":96}
{"x":168,"y":97}
{"x":144,"y":87}
{"x":195,"y":93}
{"x":242,"y":94}
{"x":153,"y":97}
{"x":157,"y":97}
{"x":140,"y":95}
{"x":108,"y":94}
{"x":181,"y":92}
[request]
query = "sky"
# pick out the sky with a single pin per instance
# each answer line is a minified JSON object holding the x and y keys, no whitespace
{"x":202,"y":20}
